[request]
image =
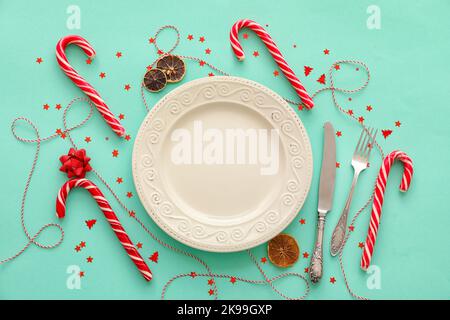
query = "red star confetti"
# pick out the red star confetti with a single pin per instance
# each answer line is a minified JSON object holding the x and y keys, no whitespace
{"x":151,"y":40}
{"x":210,"y":282}
{"x":115,"y":153}
{"x":361,"y":245}
{"x":89,"y":259}
{"x":77,"y":248}
{"x":90,"y":223}
{"x":190,"y":37}
{"x":300,"y":107}
{"x":255,"y":53}
{"x":118,"y":54}
{"x":39,"y":60}
{"x":58,"y":106}
{"x":127,"y":87}
{"x":333,"y":280}
{"x":337,"y":67}
{"x":81,"y":274}
{"x":210,"y":74}
{"x":208,"y":51}
{"x":211,"y":292}
{"x":119,"y":180}
{"x":276,"y":73}
{"x":233,"y":280}
{"x":386,"y":133}
{"x":351,"y":228}
{"x":361,"y":119}
{"x":121,"y":116}
{"x":83,"y":244}
{"x":306,"y":270}
{"x":88,"y":139}
{"x":263,"y":260}
{"x":338,"y":165}
{"x":338,"y":134}
{"x":398,"y":123}
{"x":102,"y":75}
{"x":201,"y":63}
{"x":127,"y":137}
{"x":307,"y":70}
{"x":154,"y":257}
{"x":132,"y":213}
{"x":193,"y":274}
{"x":350,"y":112}
{"x":46,"y":106}
{"x":129,"y":194}
{"x":369,"y":108}
{"x":245,"y":36}
{"x":149,"y":68}
{"x":88,"y":61}
{"x":139,"y":245}
{"x":326,"y":51}
{"x":302,"y":221}
{"x":305,"y":255}
{"x":61,"y":133}
{"x":321,"y":79}
{"x":201,"y":39}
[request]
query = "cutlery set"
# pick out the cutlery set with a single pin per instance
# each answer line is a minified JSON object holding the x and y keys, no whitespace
{"x":359,"y":163}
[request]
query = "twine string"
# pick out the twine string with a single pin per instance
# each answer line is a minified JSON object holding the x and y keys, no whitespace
{"x":32,"y":239}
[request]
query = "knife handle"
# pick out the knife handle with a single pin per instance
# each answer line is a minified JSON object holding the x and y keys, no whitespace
{"x":316,"y":266}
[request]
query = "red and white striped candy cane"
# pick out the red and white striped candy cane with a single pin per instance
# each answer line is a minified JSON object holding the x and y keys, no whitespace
{"x":379,"y":196}
{"x":110,"y":216}
{"x":276,"y":54}
{"x":81,"y":83}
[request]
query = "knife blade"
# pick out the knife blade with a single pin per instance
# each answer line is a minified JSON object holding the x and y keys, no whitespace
{"x":326,"y":192}
{"x":328,"y":171}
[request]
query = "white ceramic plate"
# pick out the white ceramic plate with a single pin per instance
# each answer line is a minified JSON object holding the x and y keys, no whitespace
{"x":200,"y":191}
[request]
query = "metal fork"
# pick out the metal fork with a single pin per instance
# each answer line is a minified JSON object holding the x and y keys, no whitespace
{"x":359,"y":163}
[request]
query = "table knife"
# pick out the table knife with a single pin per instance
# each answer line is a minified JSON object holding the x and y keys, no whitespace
{"x":326,"y":191}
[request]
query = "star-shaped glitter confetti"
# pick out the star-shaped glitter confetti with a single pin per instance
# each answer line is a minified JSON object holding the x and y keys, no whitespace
{"x":361,"y":245}
{"x":127,"y":137}
{"x":208,"y":51}
{"x":118,"y":54}
{"x":233,"y":280}
{"x":337,"y":67}
{"x":58,"y":106}
{"x":151,"y":40}
{"x":201,"y":39}
{"x":46,"y":106}
{"x":83,"y":244}
{"x":210,"y":282}
{"x":398,"y":123}
{"x":338,"y":165}
{"x":190,"y":37}
{"x":88,"y":61}
{"x":81,"y":274}
{"x":326,"y":51}
{"x":361,"y":119}
{"x":193,"y":274}
{"x":119,"y":180}
{"x":306,"y":270}
{"x":369,"y":108}
{"x":139,"y":245}
{"x":351,"y":228}
{"x":201,"y":63}
{"x":129,"y":194}
{"x":350,"y":112}
{"x":302,"y":221}
{"x":88,"y":139}
{"x":77,"y":248}
{"x":211,"y":292}
{"x":210,"y":74}
{"x":102,"y":75}
{"x":338,"y":134}
{"x":132,"y":214}
{"x":332,"y":280}
{"x":255,"y":53}
{"x":39,"y":60}
{"x":127,"y":87}
{"x":115,"y":153}
{"x":263,"y":260}
{"x":305,"y":255}
{"x":121,"y":116}
{"x":276,"y":73}
{"x":89,"y":259}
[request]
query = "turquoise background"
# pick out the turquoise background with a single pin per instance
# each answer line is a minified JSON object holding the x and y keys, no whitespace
{"x":408,"y":58}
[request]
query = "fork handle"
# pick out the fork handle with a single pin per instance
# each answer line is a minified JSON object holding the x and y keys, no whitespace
{"x":338,"y":236}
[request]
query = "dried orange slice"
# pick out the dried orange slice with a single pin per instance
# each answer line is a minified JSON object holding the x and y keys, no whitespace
{"x":173,"y":67}
{"x":155,"y":80}
{"x":283,"y":250}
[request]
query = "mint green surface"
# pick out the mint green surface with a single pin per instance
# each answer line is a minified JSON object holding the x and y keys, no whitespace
{"x":408,"y":58}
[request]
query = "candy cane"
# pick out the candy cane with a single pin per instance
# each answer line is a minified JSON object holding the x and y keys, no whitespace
{"x":276,"y":54}
{"x":378,"y":199}
{"x":81,"y":83}
{"x":110,"y":216}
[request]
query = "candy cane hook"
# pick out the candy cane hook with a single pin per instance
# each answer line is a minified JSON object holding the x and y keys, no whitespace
{"x":276,"y":54}
{"x":378,"y":199}
{"x":81,"y":82}
{"x":110,"y":216}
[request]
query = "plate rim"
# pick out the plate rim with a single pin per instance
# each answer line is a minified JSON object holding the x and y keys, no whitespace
{"x":236,"y":247}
